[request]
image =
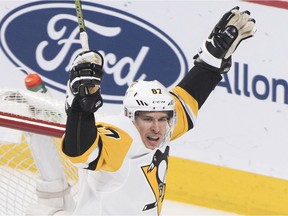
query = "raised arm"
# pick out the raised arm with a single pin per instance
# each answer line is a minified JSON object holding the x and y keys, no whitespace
{"x":212,"y":60}
{"x":83,"y":98}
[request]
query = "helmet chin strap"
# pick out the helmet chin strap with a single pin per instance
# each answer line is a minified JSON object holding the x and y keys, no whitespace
{"x":168,"y":133}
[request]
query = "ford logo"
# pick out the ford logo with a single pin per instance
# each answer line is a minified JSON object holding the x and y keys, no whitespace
{"x":43,"y":36}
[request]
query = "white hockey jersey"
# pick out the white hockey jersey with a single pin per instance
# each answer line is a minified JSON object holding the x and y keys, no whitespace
{"x":119,"y":175}
{"x":134,"y":184}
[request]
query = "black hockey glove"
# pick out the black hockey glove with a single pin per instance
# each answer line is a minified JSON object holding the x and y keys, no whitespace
{"x":83,"y":88}
{"x":233,"y":27}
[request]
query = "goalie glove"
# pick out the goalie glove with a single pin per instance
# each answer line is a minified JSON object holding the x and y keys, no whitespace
{"x":83,"y":88}
{"x":233,"y":27}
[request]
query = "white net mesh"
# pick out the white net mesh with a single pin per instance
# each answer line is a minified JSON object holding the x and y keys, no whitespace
{"x":17,"y":167}
{"x":32,"y":104}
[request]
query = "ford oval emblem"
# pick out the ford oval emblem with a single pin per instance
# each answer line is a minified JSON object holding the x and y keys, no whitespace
{"x":43,"y":36}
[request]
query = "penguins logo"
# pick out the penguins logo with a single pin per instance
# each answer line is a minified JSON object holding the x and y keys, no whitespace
{"x":155,"y":174}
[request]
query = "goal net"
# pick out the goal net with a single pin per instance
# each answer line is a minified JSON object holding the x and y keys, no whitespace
{"x":23,"y":113}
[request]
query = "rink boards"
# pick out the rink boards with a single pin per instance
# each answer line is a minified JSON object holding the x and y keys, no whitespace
{"x":226,"y":189}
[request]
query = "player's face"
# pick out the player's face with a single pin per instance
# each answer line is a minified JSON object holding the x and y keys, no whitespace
{"x":152,"y":127}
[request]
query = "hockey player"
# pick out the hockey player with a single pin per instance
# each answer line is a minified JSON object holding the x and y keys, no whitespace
{"x":123,"y":160}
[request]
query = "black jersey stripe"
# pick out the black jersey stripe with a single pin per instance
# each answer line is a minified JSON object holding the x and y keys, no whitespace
{"x":93,"y":164}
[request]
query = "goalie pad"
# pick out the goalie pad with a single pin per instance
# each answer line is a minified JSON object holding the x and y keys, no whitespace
{"x":53,"y":197}
{"x":46,"y":157}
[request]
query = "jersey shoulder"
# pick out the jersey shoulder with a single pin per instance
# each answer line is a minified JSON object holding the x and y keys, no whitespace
{"x":119,"y":122}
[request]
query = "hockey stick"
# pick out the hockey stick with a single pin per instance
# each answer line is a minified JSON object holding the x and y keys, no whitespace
{"x":81,"y":24}
{"x":83,"y":34}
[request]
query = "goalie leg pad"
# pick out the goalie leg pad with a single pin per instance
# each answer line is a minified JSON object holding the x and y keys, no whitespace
{"x":53,"y":196}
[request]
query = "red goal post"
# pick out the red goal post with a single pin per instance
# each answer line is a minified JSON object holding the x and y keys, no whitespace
{"x":33,"y":125}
